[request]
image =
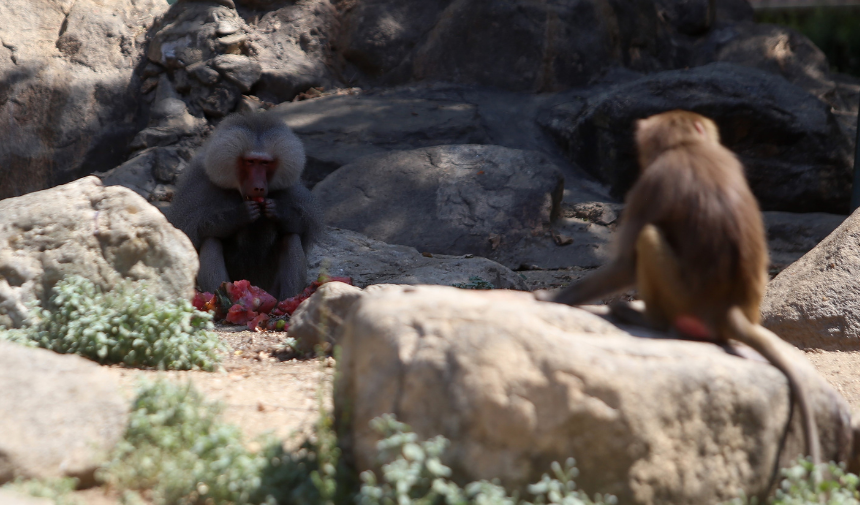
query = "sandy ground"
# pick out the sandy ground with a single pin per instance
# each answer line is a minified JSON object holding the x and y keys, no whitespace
{"x":842,"y":371}
{"x":260,"y":392}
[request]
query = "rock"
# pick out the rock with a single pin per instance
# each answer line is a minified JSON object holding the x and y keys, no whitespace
{"x":516,"y":384}
{"x":337,"y":130}
{"x":318,"y":319}
{"x":203,"y":73}
{"x":241,"y":70}
{"x":733,"y":10}
{"x":509,"y":44}
{"x":136,"y":174}
{"x":789,"y":142}
{"x":814,"y":303}
{"x":69,"y":101}
{"x":186,"y":42}
{"x":60,"y":415}
{"x":790,"y":235}
{"x":778,"y":50}
{"x":690,"y":17}
{"x":293,"y":46}
{"x":187,"y":34}
{"x":105,"y":234}
{"x":463,"y":199}
{"x":367,"y":261}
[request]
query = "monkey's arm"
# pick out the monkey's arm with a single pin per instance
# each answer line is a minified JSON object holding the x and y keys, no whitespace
{"x":203,"y":210}
{"x":227,"y":219}
{"x":296,"y":212}
{"x":612,"y":278}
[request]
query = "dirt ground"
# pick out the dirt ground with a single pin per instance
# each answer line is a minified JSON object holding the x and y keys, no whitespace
{"x":260,"y":392}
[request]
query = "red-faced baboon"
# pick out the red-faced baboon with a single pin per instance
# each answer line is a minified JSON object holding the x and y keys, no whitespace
{"x":242,"y":204}
{"x":692,"y":241}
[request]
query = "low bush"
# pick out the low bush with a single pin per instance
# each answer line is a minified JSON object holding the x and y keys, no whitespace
{"x":127,"y":325}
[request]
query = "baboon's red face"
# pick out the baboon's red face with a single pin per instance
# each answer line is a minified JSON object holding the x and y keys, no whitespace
{"x":255,"y":170}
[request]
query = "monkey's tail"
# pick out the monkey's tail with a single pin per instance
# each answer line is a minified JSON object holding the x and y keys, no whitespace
{"x":764,"y":342}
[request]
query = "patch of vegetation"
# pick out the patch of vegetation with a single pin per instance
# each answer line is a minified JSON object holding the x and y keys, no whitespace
{"x":832,"y":29}
{"x":803,"y":484}
{"x":475,"y":282}
{"x":415,"y":475}
{"x":126,"y":325}
{"x":57,"y":490}
{"x":178,"y":451}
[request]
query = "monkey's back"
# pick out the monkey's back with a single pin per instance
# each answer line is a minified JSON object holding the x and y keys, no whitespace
{"x":698,"y":197}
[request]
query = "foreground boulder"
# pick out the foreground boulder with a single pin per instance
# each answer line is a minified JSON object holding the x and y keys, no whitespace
{"x":489,"y":201}
{"x":105,"y":234}
{"x":814,"y":303}
{"x":60,"y":415}
{"x":516,"y":384}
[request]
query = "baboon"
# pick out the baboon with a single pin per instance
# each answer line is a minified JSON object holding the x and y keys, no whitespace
{"x":242,"y":204}
{"x":692,"y":241}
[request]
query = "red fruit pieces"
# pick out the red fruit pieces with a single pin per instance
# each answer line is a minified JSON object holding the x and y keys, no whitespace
{"x":258,"y":323}
{"x":203,"y":301}
{"x":239,"y":315}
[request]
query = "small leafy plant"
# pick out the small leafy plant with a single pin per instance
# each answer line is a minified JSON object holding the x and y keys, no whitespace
{"x":177,"y":451}
{"x":59,"y":491}
{"x":475,"y":282}
{"x":415,"y":475}
{"x":126,"y":325}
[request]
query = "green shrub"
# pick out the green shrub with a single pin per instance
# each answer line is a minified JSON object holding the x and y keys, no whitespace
{"x":176,"y":448}
{"x":57,"y":490}
{"x":475,"y":282}
{"x":415,"y":475}
{"x":178,"y":451}
{"x":127,"y":325}
{"x":801,"y":486}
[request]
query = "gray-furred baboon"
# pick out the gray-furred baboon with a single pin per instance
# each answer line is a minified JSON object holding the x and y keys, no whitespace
{"x":692,"y":241}
{"x":243,"y":205}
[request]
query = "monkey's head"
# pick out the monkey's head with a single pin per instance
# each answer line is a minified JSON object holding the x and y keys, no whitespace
{"x":254,"y":153}
{"x":661,"y":132}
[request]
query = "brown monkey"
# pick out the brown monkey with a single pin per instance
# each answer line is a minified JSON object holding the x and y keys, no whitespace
{"x":692,"y":240}
{"x":242,"y":204}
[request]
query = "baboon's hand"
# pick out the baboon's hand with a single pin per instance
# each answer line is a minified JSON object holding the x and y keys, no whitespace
{"x":269,"y":208}
{"x":253,"y":209}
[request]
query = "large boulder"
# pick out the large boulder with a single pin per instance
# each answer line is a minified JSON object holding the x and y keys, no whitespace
{"x":293,"y":43}
{"x":516,"y":384}
{"x":68,"y":87}
{"x":367,"y":261}
{"x":462,"y":199}
{"x":796,"y":158}
{"x":339,"y":129}
{"x":489,"y":201}
{"x":510,"y":44}
{"x":60,"y":415}
{"x":775,"y":49}
{"x":791,"y":235}
{"x":105,"y":234}
{"x":815,"y":302}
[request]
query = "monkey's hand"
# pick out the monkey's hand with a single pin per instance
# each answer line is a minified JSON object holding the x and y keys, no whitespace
{"x":270,"y":208}
{"x":253,"y":209}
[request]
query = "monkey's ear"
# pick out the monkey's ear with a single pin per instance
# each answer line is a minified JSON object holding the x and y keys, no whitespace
{"x":700,"y":128}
